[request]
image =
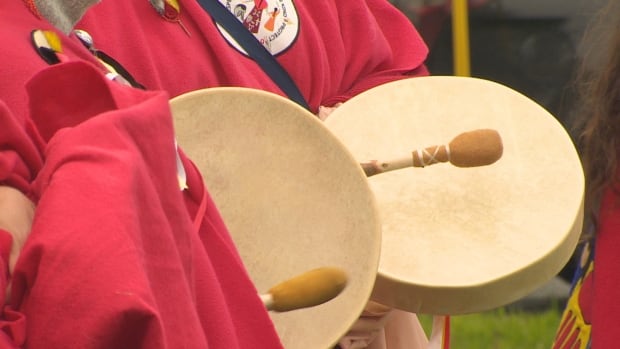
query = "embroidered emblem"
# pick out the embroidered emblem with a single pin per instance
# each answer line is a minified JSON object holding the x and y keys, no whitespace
{"x":275,"y":23}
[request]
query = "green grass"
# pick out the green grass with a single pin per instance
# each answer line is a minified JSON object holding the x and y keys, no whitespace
{"x":501,"y":329}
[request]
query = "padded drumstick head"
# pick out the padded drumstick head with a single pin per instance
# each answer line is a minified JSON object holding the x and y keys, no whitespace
{"x":476,"y":148}
{"x":308,"y":289}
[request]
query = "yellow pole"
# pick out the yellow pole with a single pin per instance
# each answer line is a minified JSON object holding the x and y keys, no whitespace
{"x":460,"y":48}
{"x":460,"y":38}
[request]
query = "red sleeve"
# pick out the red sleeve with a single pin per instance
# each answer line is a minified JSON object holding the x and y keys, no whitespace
{"x":113,"y":259}
{"x":11,"y":323}
{"x":605,"y":306}
{"x":6,"y":240}
{"x":20,"y":158}
{"x":381,"y":45}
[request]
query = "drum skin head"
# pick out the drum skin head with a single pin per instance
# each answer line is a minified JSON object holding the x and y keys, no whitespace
{"x":292,"y":196}
{"x":463,"y":240}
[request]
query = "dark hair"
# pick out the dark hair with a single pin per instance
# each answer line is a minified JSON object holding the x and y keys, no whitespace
{"x":598,"y":122}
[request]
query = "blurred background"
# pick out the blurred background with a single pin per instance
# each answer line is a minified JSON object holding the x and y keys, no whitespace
{"x":534,"y":47}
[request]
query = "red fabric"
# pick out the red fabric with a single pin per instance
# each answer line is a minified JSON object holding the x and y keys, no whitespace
{"x":113,"y":260}
{"x":20,"y":61}
{"x":20,"y":157}
{"x":606,"y":275}
{"x":343,"y":48}
{"x":6,"y":240}
{"x":11,"y":323}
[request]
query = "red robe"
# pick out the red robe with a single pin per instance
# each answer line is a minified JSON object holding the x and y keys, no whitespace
{"x":592,"y":315}
{"x":118,"y":256}
{"x":342,"y":47}
{"x":605,"y":310}
{"x":336,"y":50}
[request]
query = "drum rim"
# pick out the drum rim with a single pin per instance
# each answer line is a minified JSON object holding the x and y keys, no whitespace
{"x":389,"y":290}
{"x":372,"y":254}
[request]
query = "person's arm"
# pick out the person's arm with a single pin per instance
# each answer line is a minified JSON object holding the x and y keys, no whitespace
{"x":324,"y":111}
{"x":8,"y":217}
{"x":382,"y":327}
{"x":20,"y":159}
{"x":380,"y":45}
{"x":606,"y":277}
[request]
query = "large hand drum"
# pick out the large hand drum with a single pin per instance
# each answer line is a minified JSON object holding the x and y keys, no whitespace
{"x":292,"y":196}
{"x":460,"y":240}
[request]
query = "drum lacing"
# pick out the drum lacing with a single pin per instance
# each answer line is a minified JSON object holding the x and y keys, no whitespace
{"x":432,"y":158}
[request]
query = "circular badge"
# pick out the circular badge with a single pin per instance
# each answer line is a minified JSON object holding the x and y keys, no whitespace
{"x":274,"y":23}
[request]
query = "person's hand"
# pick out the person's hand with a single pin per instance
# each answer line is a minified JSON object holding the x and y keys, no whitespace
{"x":381,"y":327}
{"x":16,"y":215}
{"x":325,"y":111}
{"x":367,"y":326}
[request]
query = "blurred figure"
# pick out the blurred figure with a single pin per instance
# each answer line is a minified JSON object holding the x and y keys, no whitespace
{"x":591,"y":315}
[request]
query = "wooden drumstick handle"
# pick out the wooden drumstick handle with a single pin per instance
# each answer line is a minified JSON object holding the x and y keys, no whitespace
{"x":306,"y":290}
{"x":469,"y":149}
